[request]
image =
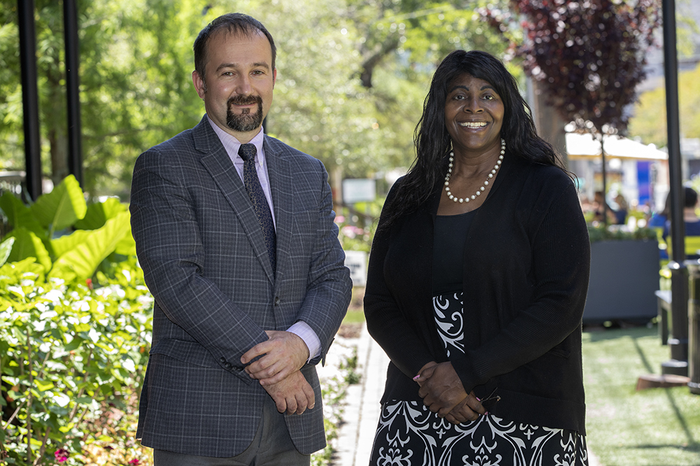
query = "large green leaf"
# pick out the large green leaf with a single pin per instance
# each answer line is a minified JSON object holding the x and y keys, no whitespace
{"x":127,"y":245}
{"x":82,"y":260}
{"x":6,"y":249}
{"x":98,"y":213}
{"x":27,"y":244}
{"x":60,"y":208}
{"x":19,"y":215}
{"x":67,"y":243}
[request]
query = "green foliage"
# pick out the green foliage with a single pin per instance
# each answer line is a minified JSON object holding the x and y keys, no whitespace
{"x":136,"y":87}
{"x":134,"y":80}
{"x":85,"y":253}
{"x":334,"y":392}
{"x":74,"y":325}
{"x":28,"y":244}
{"x":66,"y":352}
{"x":19,"y":215}
{"x":97,"y":214}
{"x":601,"y":233}
{"x":6,"y":249}
{"x":76,"y":255}
{"x":62,"y":207}
{"x":350,"y":365}
{"x":589,"y":60}
{"x":356,"y":225}
{"x":649,"y":120}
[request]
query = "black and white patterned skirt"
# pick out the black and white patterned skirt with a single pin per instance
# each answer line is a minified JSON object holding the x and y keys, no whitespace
{"x":409,"y":434}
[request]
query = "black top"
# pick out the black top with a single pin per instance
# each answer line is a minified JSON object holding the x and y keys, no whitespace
{"x":448,"y":250}
{"x":526,"y":281}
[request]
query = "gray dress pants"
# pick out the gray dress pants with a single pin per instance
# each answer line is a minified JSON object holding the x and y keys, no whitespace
{"x":271,"y":446}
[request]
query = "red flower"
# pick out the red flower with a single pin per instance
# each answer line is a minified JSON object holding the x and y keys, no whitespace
{"x":61,"y":455}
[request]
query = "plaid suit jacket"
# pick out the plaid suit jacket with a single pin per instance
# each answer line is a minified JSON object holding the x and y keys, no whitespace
{"x":205,"y":262}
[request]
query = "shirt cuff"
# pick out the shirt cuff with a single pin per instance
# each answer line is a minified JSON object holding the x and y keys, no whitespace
{"x":306,"y":333}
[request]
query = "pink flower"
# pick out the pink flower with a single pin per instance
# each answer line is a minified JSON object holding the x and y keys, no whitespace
{"x":61,"y":455}
{"x":135,"y":461}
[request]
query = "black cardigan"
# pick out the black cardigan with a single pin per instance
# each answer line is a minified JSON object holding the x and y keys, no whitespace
{"x":526,"y":268}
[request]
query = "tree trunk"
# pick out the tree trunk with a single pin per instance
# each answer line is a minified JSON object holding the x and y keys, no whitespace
{"x":336,"y":182}
{"x":59,"y":155}
{"x":372,"y":59}
{"x":549,"y":124}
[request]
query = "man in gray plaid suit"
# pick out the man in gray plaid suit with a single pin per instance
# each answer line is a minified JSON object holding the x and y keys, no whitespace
{"x":239,"y":322}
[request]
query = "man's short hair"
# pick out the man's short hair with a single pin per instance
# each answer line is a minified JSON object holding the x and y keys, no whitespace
{"x":235,"y":23}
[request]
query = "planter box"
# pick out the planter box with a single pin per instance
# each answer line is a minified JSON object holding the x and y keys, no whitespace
{"x":624,"y":277}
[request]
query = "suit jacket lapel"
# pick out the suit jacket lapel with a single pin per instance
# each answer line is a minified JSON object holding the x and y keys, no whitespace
{"x":281,"y":185}
{"x":221,"y":169}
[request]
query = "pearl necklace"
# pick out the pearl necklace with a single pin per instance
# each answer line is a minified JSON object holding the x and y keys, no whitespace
{"x":481,"y":189}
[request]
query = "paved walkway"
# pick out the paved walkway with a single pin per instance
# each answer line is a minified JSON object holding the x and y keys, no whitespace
{"x":362,"y":410}
{"x":356,"y":435}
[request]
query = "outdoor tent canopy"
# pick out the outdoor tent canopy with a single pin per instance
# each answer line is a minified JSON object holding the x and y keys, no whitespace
{"x":584,"y":146}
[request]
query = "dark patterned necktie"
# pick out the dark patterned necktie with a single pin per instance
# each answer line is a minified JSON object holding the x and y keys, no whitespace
{"x":257,"y":197}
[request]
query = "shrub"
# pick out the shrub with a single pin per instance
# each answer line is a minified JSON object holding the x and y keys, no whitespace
{"x":68,"y":350}
{"x":601,"y":233}
{"x":74,"y":327}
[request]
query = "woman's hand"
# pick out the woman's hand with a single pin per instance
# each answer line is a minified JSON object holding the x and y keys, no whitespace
{"x":441,"y":389}
{"x":468,"y":410}
{"x":422,"y":373}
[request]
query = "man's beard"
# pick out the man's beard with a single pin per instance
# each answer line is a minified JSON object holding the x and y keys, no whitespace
{"x":246,"y":121}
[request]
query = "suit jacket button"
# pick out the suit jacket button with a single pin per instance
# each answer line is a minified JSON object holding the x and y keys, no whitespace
{"x":277,"y":300}
{"x":222,"y":360}
{"x":228,"y":365}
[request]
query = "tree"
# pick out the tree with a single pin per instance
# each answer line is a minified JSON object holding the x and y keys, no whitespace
{"x":132,"y":85}
{"x":649,"y":120}
{"x":423,"y":32}
{"x":321,"y":103}
{"x":400,"y":42}
{"x":136,"y":60}
{"x":589,"y":56}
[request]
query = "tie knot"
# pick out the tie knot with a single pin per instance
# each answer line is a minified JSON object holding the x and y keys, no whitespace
{"x":247,"y":152}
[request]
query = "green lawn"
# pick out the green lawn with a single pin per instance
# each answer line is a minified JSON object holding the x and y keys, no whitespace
{"x":655,"y":427}
{"x":659,"y":427}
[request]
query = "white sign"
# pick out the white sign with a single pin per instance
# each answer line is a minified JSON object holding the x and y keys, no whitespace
{"x":356,"y":261}
{"x":359,"y":190}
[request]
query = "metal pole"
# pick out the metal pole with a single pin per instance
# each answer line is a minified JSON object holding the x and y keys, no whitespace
{"x":679,"y":273}
{"x":605,"y":181}
{"x":30,"y":98}
{"x":70,"y":27}
{"x":694,"y":327}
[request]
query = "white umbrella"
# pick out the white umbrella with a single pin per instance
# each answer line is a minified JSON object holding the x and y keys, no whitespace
{"x":584,"y":146}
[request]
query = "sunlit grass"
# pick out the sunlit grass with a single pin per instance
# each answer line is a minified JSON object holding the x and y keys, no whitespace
{"x":659,"y":427}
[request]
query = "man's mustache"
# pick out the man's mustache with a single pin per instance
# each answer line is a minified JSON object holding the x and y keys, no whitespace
{"x":245,"y":100}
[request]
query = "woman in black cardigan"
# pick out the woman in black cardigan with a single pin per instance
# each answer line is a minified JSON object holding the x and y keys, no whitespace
{"x":477,"y":282}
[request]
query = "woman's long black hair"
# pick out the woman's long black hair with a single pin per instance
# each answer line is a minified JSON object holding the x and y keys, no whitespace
{"x":433,"y":142}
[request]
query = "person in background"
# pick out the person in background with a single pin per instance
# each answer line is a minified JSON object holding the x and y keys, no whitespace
{"x":690,"y":216}
{"x":599,"y":208}
{"x":234,"y":231}
{"x":622,"y":210}
{"x":659,"y":219}
{"x":476,"y":285}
